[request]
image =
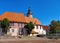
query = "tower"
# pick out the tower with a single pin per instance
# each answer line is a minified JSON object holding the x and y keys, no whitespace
{"x":29,"y":14}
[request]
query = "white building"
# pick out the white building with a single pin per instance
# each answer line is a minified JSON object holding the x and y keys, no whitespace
{"x":18,"y":21}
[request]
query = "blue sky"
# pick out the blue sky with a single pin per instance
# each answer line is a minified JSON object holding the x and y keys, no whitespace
{"x":44,"y":10}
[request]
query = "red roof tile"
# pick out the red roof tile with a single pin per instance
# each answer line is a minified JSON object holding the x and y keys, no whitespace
{"x":16,"y":17}
{"x":33,"y":20}
{"x":45,"y":27}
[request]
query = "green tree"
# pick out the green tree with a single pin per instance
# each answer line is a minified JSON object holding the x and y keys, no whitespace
{"x":29,"y":27}
{"x":4,"y":25}
{"x":54,"y":26}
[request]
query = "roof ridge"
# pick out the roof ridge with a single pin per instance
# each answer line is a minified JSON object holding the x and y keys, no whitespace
{"x":13,"y":12}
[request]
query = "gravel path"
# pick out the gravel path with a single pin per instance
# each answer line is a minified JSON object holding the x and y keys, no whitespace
{"x":29,"y":40}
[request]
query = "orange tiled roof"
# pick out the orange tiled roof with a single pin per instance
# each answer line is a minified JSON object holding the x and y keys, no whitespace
{"x":45,"y":27}
{"x":33,"y":20}
{"x":16,"y":17}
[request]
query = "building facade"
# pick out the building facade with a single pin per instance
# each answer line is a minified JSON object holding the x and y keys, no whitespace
{"x":18,"y":21}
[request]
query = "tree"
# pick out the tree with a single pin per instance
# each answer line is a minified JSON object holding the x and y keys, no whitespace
{"x":4,"y":25}
{"x":29,"y":27}
{"x":54,"y":26}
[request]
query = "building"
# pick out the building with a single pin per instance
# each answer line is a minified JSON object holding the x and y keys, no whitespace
{"x":18,"y":21}
{"x":46,"y":28}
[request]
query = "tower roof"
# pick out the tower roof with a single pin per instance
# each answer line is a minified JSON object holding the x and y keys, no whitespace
{"x":29,"y":11}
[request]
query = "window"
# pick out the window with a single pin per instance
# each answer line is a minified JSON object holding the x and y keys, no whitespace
{"x":23,"y":24}
{"x":12,"y":30}
{"x":19,"y":24}
{"x":11,"y":24}
{"x":37,"y":26}
{"x":40,"y":26}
